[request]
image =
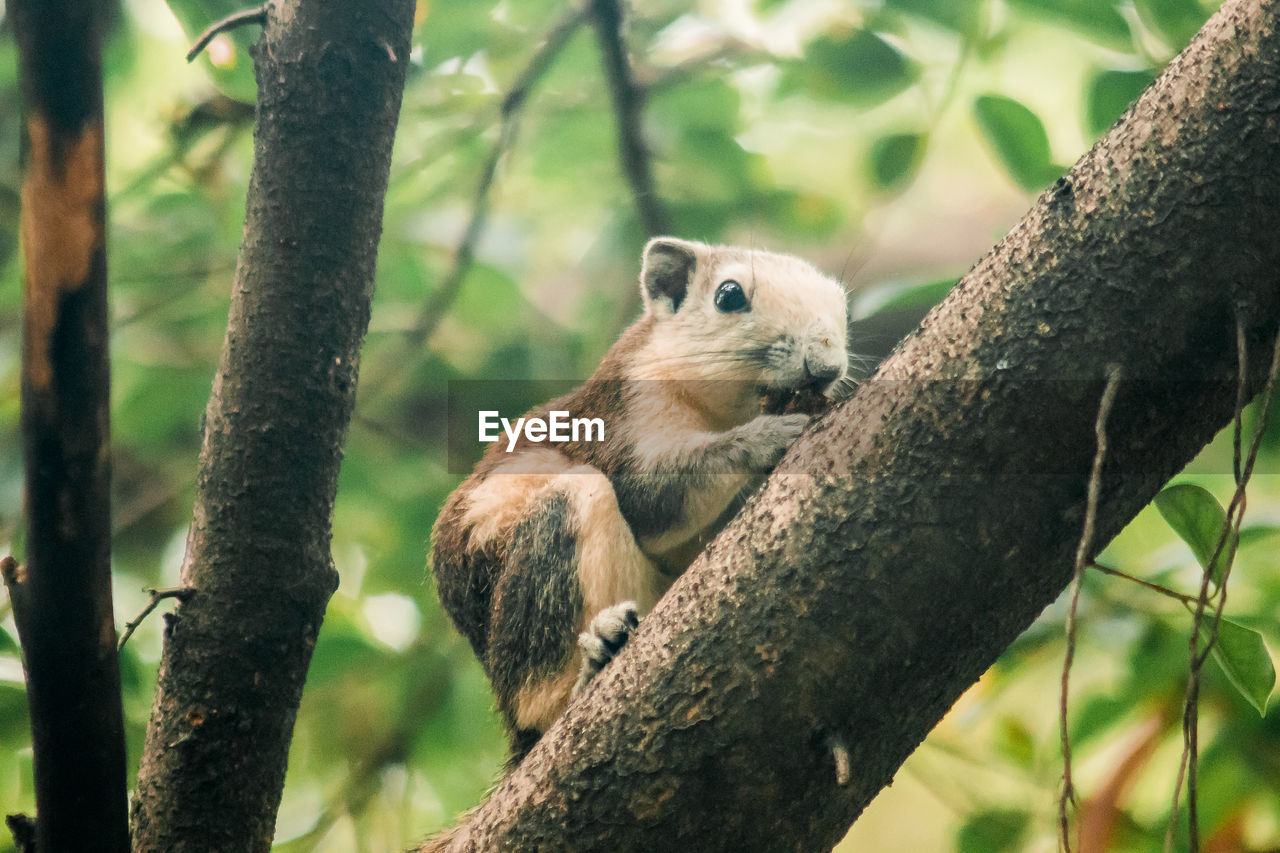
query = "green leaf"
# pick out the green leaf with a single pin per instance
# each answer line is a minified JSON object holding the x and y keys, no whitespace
{"x":1014,"y":741}
{"x":1097,"y":20}
{"x":1176,"y":21}
{"x":1197,"y":517}
{"x":994,"y":831}
{"x":958,"y":15}
{"x":1018,"y":138}
{"x":711,"y":104}
{"x":894,"y":159}
{"x":917,"y":296}
{"x":1242,"y":654}
{"x":1109,"y":95}
{"x":1256,"y":533}
{"x":860,"y":68}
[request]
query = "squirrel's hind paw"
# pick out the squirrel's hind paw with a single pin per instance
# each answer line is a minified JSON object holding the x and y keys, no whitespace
{"x":604,"y":638}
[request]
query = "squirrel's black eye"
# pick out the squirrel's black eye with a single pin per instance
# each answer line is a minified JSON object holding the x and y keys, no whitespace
{"x":730,"y":299}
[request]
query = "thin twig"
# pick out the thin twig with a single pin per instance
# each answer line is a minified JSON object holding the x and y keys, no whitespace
{"x":1187,"y":767}
{"x":437,"y":306}
{"x":256,"y":15}
{"x":1163,"y":590}
{"x":182,"y":593}
{"x":628,"y":99}
{"x":1082,"y":558}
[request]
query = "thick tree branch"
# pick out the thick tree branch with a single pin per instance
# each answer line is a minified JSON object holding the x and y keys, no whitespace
{"x":63,"y":604}
{"x":330,"y":78}
{"x":911,"y":535}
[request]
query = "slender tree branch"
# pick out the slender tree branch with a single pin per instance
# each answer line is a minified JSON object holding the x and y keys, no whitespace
{"x":182,"y":593}
{"x":1224,"y":550}
{"x":628,"y":102}
{"x":256,"y":15}
{"x":1155,"y":587}
{"x":437,"y":306}
{"x":1083,"y":551}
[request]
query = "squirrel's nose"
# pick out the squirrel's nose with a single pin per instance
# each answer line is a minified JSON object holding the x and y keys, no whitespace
{"x":820,"y":373}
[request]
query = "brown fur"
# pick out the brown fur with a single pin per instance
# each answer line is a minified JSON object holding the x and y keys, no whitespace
{"x":538,"y":540}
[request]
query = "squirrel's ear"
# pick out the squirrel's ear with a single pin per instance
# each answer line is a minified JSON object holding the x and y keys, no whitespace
{"x":666,"y":271}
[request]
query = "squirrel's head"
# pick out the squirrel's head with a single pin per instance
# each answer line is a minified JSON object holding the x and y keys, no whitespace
{"x":742,"y":315}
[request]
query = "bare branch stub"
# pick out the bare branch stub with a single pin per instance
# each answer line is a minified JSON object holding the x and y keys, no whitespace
{"x":23,"y":829}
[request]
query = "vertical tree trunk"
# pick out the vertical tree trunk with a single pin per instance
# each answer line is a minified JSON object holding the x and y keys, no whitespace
{"x":330,"y":78}
{"x":62,"y":601}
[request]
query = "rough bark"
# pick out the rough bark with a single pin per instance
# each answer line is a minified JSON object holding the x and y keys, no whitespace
{"x":62,"y":601}
{"x":330,"y":78}
{"x":910,"y":536}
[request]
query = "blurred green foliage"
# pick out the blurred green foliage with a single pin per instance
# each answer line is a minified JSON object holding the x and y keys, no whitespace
{"x":889,"y":141}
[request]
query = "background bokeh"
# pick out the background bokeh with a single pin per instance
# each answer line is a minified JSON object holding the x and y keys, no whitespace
{"x":889,"y":141}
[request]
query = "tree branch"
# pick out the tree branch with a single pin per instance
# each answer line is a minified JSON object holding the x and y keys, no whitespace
{"x":330,"y":79}
{"x":436,"y":307}
{"x":912,"y":534}
{"x":63,"y":604}
{"x":181,"y":593}
{"x":628,"y":100}
{"x":256,"y":15}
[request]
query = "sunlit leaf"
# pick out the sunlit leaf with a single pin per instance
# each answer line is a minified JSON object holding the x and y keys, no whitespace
{"x":895,"y":158}
{"x":1197,"y":517}
{"x":1176,"y":21}
{"x":1099,"y":717}
{"x":1257,"y":533}
{"x":1109,"y":94}
{"x":1014,"y":741}
{"x":958,"y":15}
{"x":859,"y":67}
{"x":1098,"y":20}
{"x":1242,"y":654}
{"x":1018,"y":138}
{"x":918,"y":296}
{"x":712,"y":103}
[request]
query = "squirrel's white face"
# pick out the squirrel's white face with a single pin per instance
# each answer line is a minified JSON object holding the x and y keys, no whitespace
{"x":744,"y":315}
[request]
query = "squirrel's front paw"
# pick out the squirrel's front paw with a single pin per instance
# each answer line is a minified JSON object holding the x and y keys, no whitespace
{"x":765,"y":438}
{"x":604,"y":638}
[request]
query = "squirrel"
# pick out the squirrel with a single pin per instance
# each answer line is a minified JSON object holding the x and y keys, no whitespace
{"x":550,"y":552}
